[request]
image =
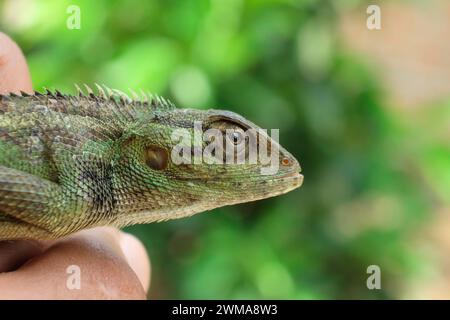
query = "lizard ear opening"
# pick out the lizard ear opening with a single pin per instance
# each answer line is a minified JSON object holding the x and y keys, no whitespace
{"x":156,"y":158}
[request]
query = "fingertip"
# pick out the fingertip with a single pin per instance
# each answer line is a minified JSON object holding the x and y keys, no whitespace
{"x":14,"y":74}
{"x":137,"y":257}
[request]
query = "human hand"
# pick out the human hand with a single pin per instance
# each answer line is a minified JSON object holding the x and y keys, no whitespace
{"x":112,"y":264}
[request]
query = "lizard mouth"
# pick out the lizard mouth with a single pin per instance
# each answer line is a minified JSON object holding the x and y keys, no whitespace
{"x":292,"y":174}
{"x":292,"y":180}
{"x":279,"y":185}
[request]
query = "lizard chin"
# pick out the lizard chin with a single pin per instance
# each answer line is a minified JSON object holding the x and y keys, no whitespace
{"x":292,"y":180}
{"x":273,"y":187}
{"x":283,"y":184}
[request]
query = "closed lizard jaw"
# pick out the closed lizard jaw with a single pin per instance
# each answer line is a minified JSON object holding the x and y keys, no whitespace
{"x":290,"y":180}
{"x":289,"y":177}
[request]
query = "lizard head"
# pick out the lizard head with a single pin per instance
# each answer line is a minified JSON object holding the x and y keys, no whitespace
{"x":185,"y":161}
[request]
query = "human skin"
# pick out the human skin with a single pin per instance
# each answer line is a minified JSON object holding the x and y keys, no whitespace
{"x":112,"y":264}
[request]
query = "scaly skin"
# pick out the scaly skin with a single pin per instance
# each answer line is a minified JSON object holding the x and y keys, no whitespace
{"x":74,"y":162}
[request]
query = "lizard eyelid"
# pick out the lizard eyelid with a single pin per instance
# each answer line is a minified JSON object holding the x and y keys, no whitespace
{"x":224,"y":124}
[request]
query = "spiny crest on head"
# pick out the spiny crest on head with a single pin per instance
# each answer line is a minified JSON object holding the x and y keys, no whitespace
{"x":103,"y":94}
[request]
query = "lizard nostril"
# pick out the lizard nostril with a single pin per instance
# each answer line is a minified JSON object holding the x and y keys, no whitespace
{"x":285,"y":162}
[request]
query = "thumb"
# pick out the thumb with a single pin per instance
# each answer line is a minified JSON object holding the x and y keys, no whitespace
{"x":14,"y":74}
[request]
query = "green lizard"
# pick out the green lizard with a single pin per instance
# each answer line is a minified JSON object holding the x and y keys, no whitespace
{"x":73,"y":162}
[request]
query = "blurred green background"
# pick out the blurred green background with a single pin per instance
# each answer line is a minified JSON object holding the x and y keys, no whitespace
{"x":376,"y":175}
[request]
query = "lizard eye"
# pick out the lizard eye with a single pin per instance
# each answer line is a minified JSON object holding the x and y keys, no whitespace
{"x":235,"y":137}
{"x":156,"y":158}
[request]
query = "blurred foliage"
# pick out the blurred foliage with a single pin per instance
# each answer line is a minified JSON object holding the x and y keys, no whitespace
{"x":370,"y":180}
